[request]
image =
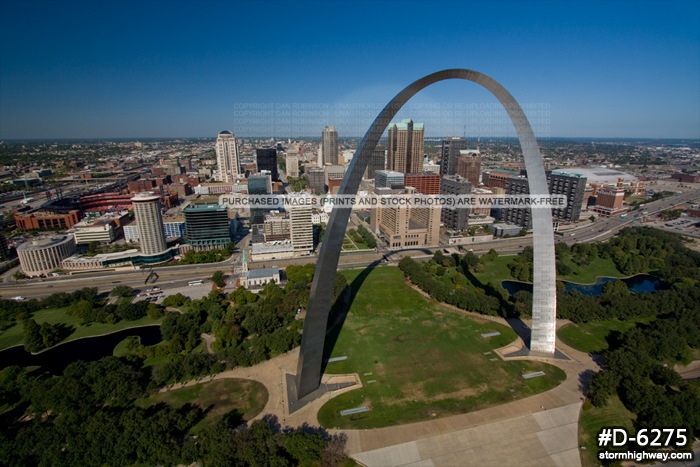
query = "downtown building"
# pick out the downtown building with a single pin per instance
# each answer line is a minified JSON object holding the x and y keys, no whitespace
{"x":405,"y":226}
{"x":291,"y":161}
{"x":405,"y":147}
{"x":425,"y":183}
{"x":376,"y":162}
{"x":41,"y":256}
{"x":207,"y":225}
{"x":259,"y":184}
{"x":388,"y":179}
{"x":301,"y":229}
{"x":469,"y":165}
{"x":329,"y":145}
{"x":449,"y":153}
{"x":456,"y":219}
{"x":266,"y":160}
{"x":149,"y":219}
{"x":571,"y":185}
{"x":227,"y":159}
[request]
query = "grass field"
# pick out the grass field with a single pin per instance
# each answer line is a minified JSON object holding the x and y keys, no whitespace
{"x":218,"y":397}
{"x":599,"y":267}
{"x":592,"y":419}
{"x":419,"y":360}
{"x":496,"y":271}
{"x":591,"y":336}
{"x":15,"y":335}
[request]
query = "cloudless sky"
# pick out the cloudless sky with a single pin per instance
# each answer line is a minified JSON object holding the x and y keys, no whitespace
{"x":101,"y":69}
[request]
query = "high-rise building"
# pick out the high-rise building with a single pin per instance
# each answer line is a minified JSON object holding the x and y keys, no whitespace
{"x":316,"y":177}
{"x":377,"y":162}
{"x":449,"y":153}
{"x":388,"y":179}
{"x":259,"y":184}
{"x":458,"y":218}
{"x":147,"y":214}
{"x":227,"y":160}
{"x":425,"y":183}
{"x":330,"y":145}
{"x":560,"y":183}
{"x":267,"y":160}
{"x":207,"y":226}
{"x":469,"y":165}
{"x":405,"y":148}
{"x":301,"y":228}
{"x":291,"y":162}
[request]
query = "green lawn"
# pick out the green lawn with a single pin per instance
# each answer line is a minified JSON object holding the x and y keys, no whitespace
{"x":496,"y":271}
{"x":592,"y":419}
{"x":15,"y":335}
{"x":587,"y":275}
{"x":419,"y":360}
{"x":219,"y":397}
{"x":591,"y":336}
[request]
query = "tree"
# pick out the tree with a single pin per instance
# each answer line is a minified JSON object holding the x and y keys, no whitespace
{"x":122,"y":291}
{"x":219,"y":278}
{"x":33,"y":340}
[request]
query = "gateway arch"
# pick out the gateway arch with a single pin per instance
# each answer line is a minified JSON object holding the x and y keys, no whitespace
{"x":542,"y":341}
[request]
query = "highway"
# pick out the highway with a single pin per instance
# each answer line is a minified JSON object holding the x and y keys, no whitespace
{"x":178,"y":276}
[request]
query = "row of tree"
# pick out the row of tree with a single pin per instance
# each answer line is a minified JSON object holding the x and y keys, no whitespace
{"x":87,"y":416}
{"x":454,"y":289}
{"x":638,"y":368}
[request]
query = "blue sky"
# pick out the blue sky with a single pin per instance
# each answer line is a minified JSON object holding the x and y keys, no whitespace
{"x":261,"y":68}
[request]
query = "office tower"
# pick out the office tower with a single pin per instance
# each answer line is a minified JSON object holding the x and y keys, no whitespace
{"x":377,"y":162}
{"x":330,"y":145}
{"x":469,"y":165}
{"x":316,"y":178}
{"x":291,"y":162}
{"x":570,"y":185}
{"x":267,"y":160}
{"x":147,"y":214}
{"x":301,"y":228}
{"x":609,"y":201}
{"x":227,"y":160}
{"x":425,"y":183}
{"x":449,"y":153}
{"x":207,"y":226}
{"x":388,"y":179}
{"x":455,"y":219}
{"x":405,"y":148}
{"x":333,"y":171}
{"x":259,"y":184}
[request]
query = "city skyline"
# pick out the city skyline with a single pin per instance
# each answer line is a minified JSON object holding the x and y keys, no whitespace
{"x":152,"y":69}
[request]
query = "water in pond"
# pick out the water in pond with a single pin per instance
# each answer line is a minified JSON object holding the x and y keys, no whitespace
{"x":58,"y":357}
{"x":641,"y":283}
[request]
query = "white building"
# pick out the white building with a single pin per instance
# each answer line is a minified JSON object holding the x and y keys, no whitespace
{"x":87,"y":231}
{"x":301,"y":225}
{"x":43,"y":255}
{"x":227,"y":160}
